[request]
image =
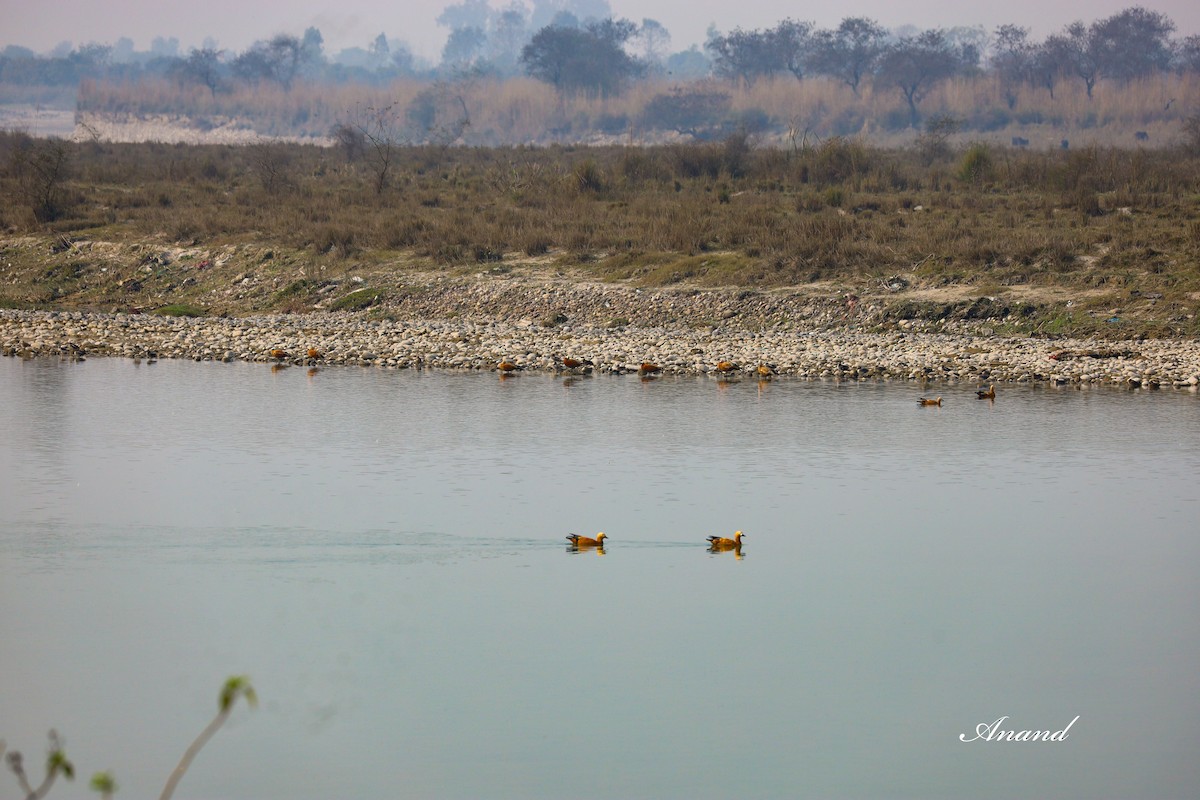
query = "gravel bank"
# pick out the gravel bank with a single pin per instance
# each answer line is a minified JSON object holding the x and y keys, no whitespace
{"x":466,"y":344}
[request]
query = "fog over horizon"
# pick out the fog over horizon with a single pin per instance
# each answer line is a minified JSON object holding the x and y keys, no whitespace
{"x":234,"y":26}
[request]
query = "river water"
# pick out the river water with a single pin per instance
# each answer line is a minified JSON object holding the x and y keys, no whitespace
{"x":383,"y":554}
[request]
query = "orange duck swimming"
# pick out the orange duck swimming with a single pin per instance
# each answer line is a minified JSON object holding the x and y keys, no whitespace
{"x":587,"y":541}
{"x":930,"y":401}
{"x":722,"y":543}
{"x":990,"y":394}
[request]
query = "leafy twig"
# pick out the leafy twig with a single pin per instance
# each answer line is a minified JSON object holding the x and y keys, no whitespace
{"x":235,"y":686}
{"x":105,"y":784}
{"x":56,"y":762}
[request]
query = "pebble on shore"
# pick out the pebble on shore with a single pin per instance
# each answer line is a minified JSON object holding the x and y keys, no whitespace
{"x":460,"y":344}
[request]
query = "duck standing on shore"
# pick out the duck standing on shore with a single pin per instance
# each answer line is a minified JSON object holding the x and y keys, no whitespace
{"x":573,"y":365}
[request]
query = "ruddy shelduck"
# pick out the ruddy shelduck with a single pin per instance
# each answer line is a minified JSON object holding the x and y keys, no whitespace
{"x":930,"y":401}
{"x":990,"y":394}
{"x":279,"y":354}
{"x":648,"y":368}
{"x":587,"y":541}
{"x":574,"y":363}
{"x":722,"y":543}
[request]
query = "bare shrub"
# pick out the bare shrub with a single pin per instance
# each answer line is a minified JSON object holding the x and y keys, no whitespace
{"x":39,"y":167}
{"x":934,"y":143}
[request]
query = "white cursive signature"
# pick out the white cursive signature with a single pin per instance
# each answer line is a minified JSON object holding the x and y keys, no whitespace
{"x":990,"y":732}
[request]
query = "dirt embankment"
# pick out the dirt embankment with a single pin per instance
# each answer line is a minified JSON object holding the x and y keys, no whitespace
{"x":47,"y":272}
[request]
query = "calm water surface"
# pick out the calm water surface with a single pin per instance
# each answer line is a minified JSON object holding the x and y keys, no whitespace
{"x":383,"y":554}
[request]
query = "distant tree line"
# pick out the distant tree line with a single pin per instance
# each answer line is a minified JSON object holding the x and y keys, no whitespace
{"x":577,"y":47}
{"x":1131,"y":44}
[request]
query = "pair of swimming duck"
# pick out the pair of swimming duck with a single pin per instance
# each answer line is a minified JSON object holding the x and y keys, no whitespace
{"x":714,"y":542}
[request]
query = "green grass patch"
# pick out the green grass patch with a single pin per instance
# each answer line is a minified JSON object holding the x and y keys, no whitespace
{"x":180,"y":310}
{"x":665,"y":269}
{"x":358,"y":300}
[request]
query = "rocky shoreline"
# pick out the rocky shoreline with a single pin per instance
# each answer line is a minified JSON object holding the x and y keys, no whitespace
{"x":481,"y":344}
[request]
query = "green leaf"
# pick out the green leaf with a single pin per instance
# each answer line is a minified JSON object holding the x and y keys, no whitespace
{"x":104,"y":783}
{"x":57,"y":762}
{"x":237,"y":685}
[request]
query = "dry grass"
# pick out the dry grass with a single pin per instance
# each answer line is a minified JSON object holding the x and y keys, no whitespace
{"x":522,"y":110}
{"x":1122,"y":221}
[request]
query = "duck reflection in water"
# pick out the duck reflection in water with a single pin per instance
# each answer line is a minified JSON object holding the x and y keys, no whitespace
{"x":720,"y":544}
{"x":579,"y":543}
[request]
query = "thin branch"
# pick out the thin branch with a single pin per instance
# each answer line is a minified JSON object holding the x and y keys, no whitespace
{"x":191,"y":752}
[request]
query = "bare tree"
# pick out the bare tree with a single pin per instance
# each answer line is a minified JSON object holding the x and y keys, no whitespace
{"x":463,"y":46}
{"x":1133,"y":43}
{"x":1051,"y":61}
{"x":40,"y":168}
{"x":1013,"y":60}
{"x":590,"y":61}
{"x":374,"y":132}
{"x":1081,"y":54}
{"x":439,"y":112}
{"x":350,"y":139}
{"x":1187,"y":54}
{"x":850,"y":52}
{"x":272,"y":162}
{"x":915,"y":64}
{"x":280,"y":60}
{"x":202,"y":66}
{"x":652,"y":42}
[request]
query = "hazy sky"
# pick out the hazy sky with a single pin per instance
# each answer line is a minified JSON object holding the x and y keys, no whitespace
{"x":235,"y":24}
